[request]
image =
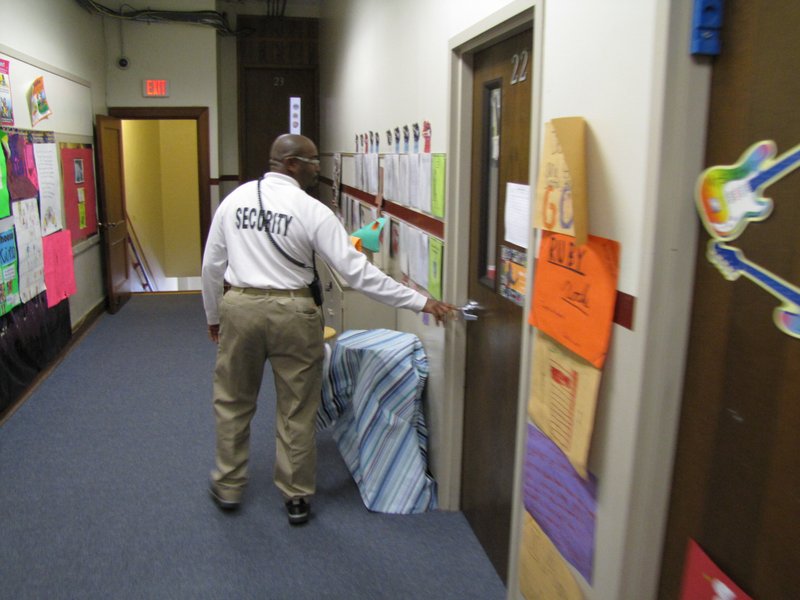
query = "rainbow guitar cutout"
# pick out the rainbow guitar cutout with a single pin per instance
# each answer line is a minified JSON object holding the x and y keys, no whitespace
{"x":729,"y":197}
{"x":731,"y":263}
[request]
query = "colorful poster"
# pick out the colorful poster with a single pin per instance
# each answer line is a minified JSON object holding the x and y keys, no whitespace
{"x":6,"y":106}
{"x":59,"y":269}
{"x":435,"y":252}
{"x":29,"y":248}
{"x":561,"y":202}
{"x":425,"y":183}
{"x":40,"y":109}
{"x":439,"y":162}
{"x":80,"y":209}
{"x":9,"y":281}
{"x":704,"y":580}
{"x":46,"y":158}
{"x":562,"y":503}
{"x":22,"y":168}
{"x":563,"y":399}
{"x":5,"y":196}
{"x":513,"y":274}
{"x":543,"y":573}
{"x":575,"y":290}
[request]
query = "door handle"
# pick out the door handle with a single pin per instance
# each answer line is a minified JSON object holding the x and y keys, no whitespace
{"x":111,"y":225}
{"x":468,"y":308}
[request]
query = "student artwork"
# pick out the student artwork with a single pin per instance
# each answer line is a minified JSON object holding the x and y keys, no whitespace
{"x":336,"y":186}
{"x":435,"y":257}
{"x":543,"y":573}
{"x":426,"y":135}
{"x":563,"y":399}
{"x":397,"y":140}
{"x":5,"y":196}
{"x":40,"y":109}
{"x":561,"y":203}
{"x":406,"y":138}
{"x":513,"y":274}
{"x":22,"y":179}
{"x":9,"y":279}
{"x":370,"y":234}
{"x":728,"y":198}
{"x":59,"y":270}
{"x":575,"y":293}
{"x":6,"y":107}
{"x":415,"y":130}
{"x":79,"y":200}
{"x":704,"y":580}
{"x":439,"y":168}
{"x":562,"y":503}
{"x":49,"y":176}
{"x":30,"y":254}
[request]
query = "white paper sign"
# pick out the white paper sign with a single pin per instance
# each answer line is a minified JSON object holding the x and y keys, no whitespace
{"x":517,"y":213}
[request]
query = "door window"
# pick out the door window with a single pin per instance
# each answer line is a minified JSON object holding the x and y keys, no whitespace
{"x":490,"y":168}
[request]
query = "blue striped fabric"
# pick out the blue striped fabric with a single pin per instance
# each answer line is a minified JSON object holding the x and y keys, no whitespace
{"x":372,"y":398}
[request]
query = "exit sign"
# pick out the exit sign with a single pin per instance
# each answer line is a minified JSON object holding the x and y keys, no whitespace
{"x":155,"y":88}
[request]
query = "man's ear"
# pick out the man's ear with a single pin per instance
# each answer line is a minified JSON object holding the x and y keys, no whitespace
{"x":291,"y":165}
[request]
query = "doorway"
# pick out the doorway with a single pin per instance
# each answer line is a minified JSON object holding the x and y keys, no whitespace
{"x":185,"y":228}
{"x":493,"y":123}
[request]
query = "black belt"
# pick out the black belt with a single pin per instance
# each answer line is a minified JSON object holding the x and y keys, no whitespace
{"x":301,"y":293}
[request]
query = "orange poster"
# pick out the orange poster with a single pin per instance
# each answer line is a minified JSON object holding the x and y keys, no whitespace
{"x":574,"y":292}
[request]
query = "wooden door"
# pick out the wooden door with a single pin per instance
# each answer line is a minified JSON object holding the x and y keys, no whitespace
{"x":736,"y":484}
{"x":500,"y":140}
{"x":113,"y":226}
{"x":267,"y":94}
{"x":277,"y":60}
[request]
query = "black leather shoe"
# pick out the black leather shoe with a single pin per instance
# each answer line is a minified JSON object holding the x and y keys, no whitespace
{"x":298,"y":510}
{"x":221,"y":502}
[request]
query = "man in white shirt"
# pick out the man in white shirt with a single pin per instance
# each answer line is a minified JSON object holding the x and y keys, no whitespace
{"x":262,"y":241}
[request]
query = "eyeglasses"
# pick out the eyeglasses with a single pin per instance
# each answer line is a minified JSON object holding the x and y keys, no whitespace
{"x":311,"y":161}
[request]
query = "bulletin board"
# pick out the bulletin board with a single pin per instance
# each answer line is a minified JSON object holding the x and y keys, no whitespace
{"x":41,"y":108}
{"x":408,"y":189}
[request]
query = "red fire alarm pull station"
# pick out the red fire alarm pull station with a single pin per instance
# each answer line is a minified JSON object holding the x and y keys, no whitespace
{"x":155,"y":88}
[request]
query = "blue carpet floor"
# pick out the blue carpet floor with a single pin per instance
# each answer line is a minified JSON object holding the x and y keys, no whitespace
{"x":103,"y":490}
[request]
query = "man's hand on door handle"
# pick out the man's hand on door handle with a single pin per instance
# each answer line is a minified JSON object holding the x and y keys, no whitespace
{"x":440,"y":310}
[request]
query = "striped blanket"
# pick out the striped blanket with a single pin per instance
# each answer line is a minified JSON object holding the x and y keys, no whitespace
{"x":372,"y":398}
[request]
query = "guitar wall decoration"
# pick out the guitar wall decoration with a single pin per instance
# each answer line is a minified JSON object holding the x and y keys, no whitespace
{"x":728,"y":198}
{"x":732,"y":263}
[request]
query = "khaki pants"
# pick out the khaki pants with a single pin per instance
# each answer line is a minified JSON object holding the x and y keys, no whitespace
{"x":256,"y":325}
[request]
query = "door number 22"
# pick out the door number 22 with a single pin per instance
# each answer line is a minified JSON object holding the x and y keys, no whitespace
{"x":520,"y":72}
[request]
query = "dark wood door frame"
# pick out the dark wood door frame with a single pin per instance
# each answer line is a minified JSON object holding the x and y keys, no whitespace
{"x":192,"y":113}
{"x":495,"y":339}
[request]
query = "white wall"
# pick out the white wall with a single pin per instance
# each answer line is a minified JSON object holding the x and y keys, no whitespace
{"x":184,"y":54}
{"x":385,"y":64}
{"x":623,"y":66}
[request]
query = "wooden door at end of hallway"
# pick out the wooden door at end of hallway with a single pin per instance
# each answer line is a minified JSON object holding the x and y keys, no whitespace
{"x":113,"y":223}
{"x":277,"y":61}
{"x":736,"y":483}
{"x":271,"y":111}
{"x":501,"y":129}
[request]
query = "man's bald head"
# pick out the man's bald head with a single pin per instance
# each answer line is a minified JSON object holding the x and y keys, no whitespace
{"x":296,"y":156}
{"x":291,"y":144}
